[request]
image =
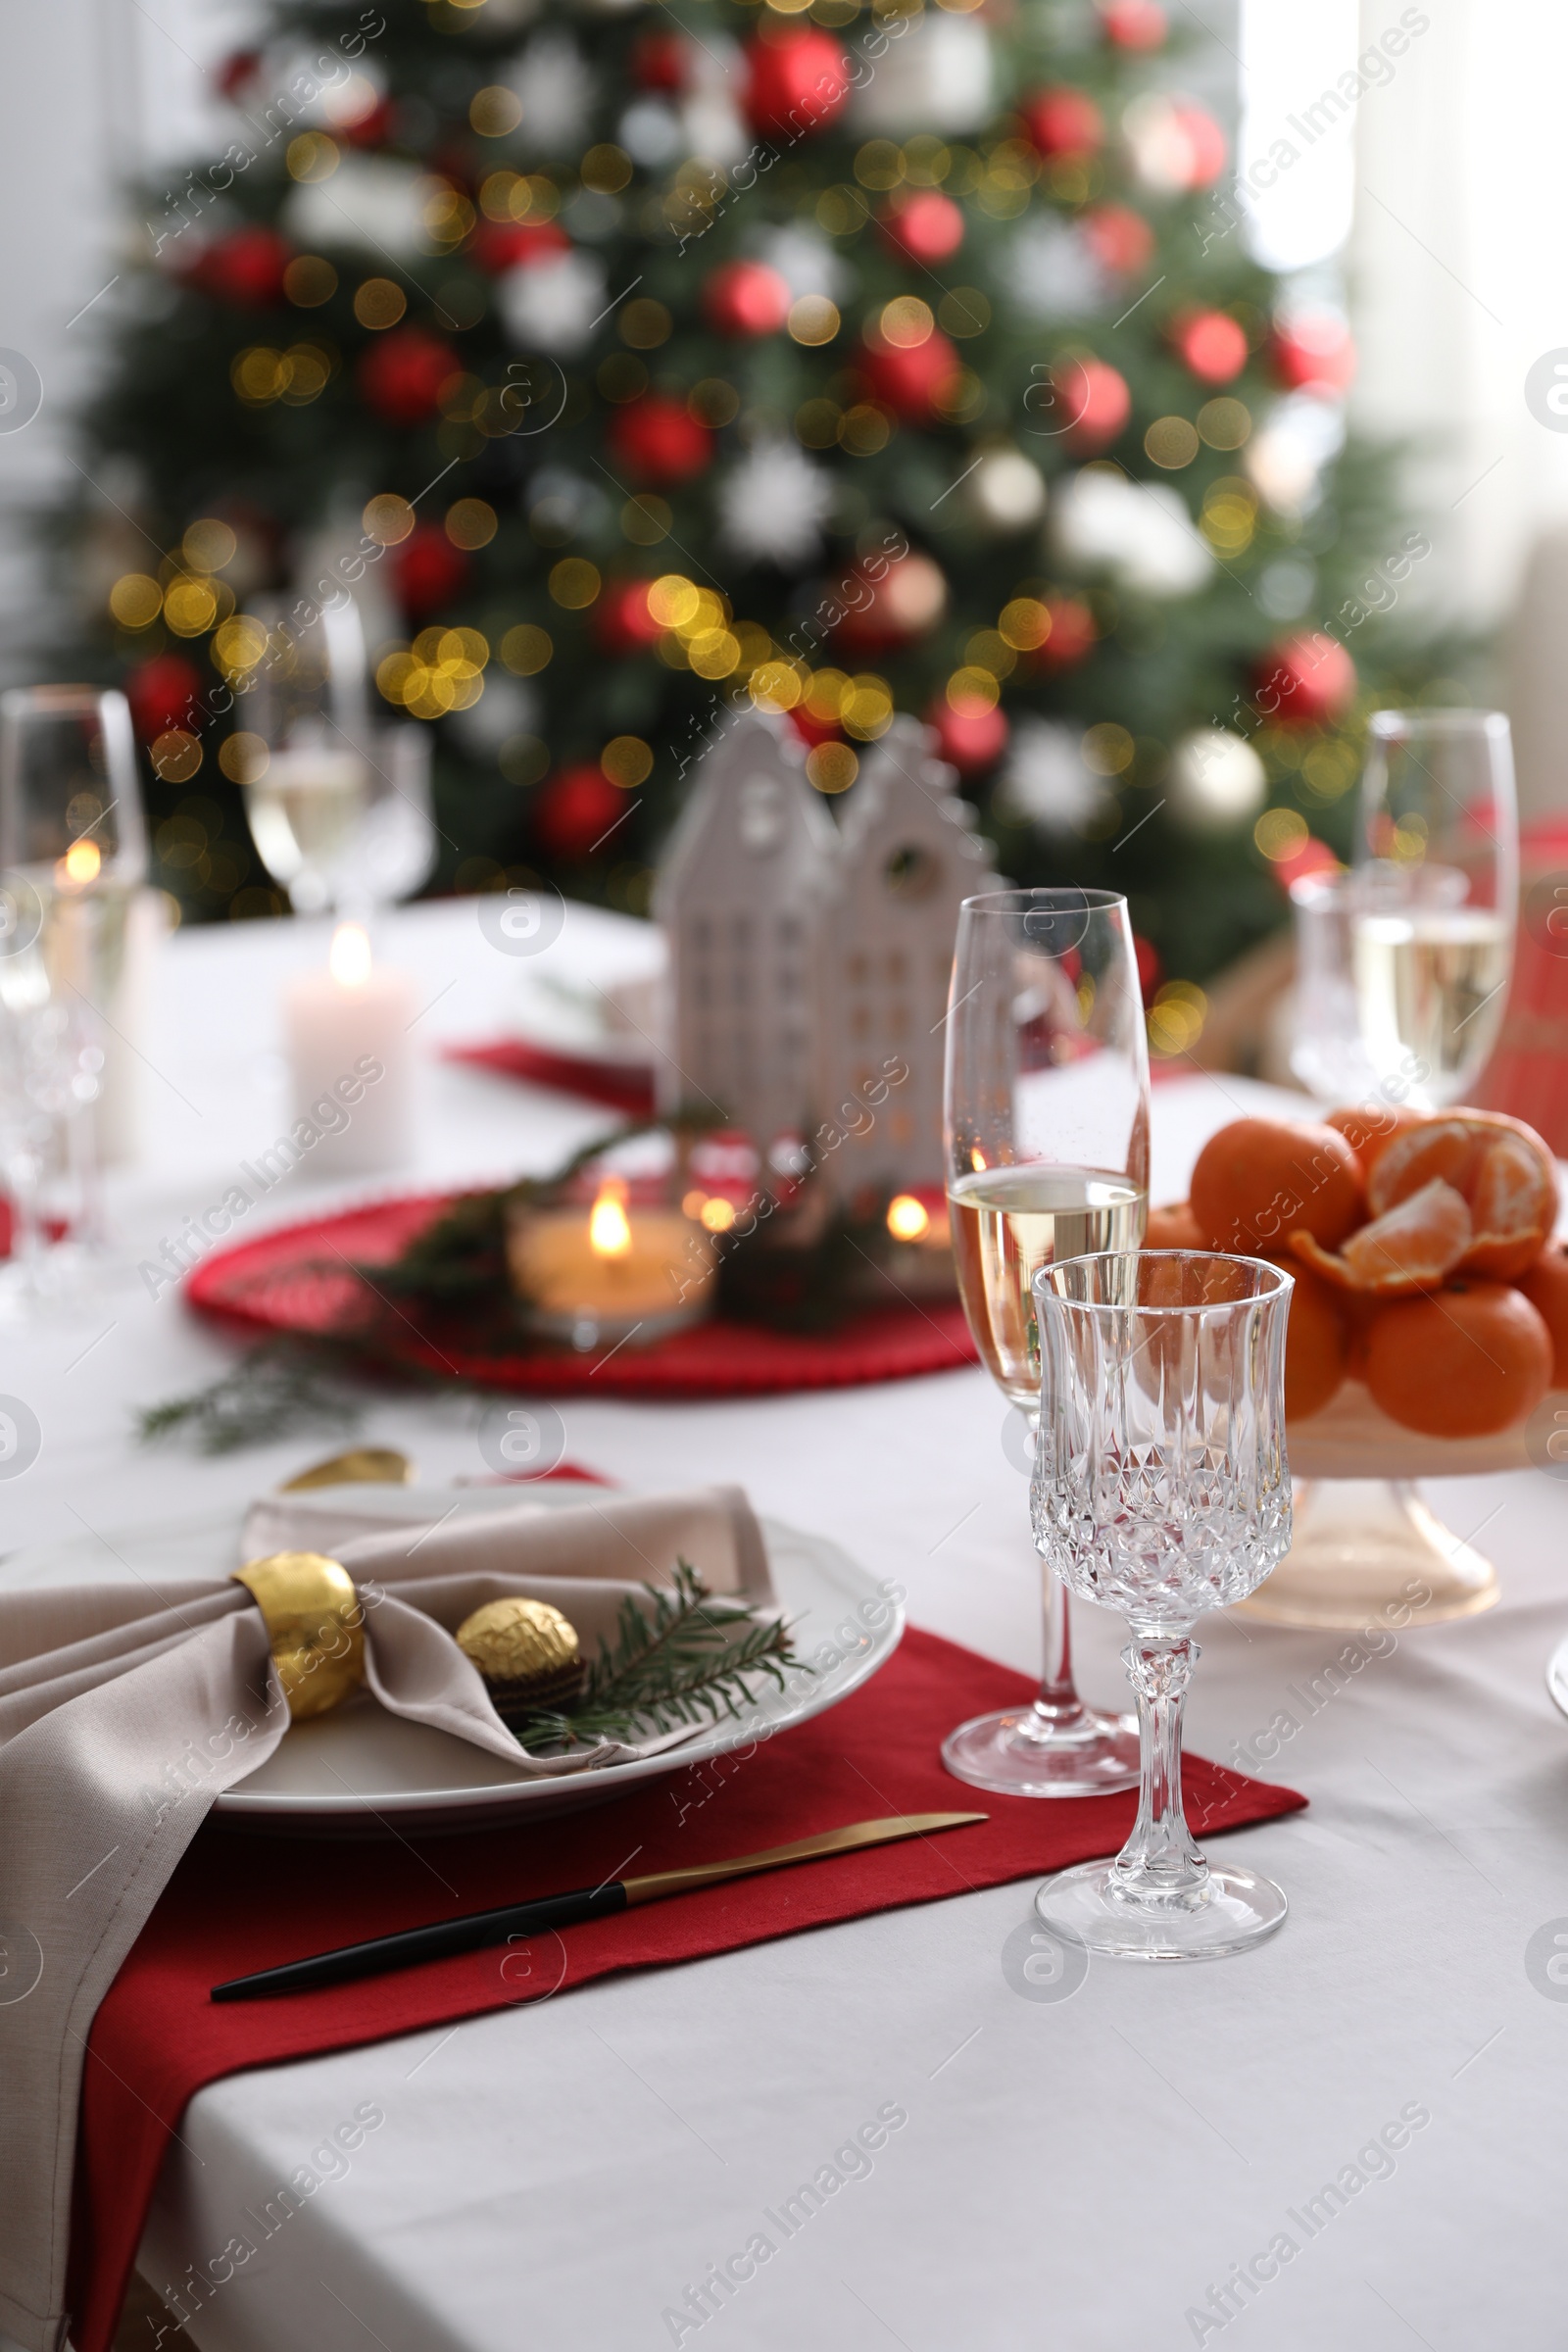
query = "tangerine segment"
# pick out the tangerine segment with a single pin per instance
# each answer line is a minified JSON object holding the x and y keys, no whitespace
{"x":1370,"y":1127}
{"x":1410,"y":1249}
{"x":1545,"y":1286}
{"x":1501,"y":1167}
{"x":1315,"y":1346}
{"x":1471,"y":1360}
{"x":1174,"y":1228}
{"x":1258,"y":1181}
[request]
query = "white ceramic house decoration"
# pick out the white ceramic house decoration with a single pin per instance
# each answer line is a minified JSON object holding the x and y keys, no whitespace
{"x":739,"y":898}
{"x":808,"y":960}
{"x":908,"y":856}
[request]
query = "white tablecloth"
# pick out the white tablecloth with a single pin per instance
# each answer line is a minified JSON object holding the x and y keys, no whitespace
{"x":1077,"y":2172}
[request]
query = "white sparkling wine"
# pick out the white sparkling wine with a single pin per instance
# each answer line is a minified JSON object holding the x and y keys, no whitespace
{"x":1010,"y":1222}
{"x":303,"y":809}
{"x":1433,"y":982}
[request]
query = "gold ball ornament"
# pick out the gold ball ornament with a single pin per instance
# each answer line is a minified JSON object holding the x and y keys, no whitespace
{"x":526,"y":1651}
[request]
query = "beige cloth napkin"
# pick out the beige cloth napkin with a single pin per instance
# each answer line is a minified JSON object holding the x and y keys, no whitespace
{"x":127,"y":1708}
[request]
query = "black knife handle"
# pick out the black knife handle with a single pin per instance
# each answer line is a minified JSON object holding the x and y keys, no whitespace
{"x":437,"y":1942}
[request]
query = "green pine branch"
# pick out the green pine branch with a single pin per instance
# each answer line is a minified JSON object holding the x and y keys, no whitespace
{"x":685,"y":1657}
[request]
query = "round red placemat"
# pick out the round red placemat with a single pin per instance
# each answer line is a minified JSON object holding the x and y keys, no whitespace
{"x":290,"y":1280}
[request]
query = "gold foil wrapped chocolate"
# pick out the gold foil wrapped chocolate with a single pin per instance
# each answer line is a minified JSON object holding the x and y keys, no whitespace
{"x":526,"y":1651}
{"x":314,"y":1623}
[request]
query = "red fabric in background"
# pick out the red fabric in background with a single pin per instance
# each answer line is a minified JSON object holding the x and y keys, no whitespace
{"x":624,"y":1085}
{"x":299,"y":1278}
{"x":243,"y":1902}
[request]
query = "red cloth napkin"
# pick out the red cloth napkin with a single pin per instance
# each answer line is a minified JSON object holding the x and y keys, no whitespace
{"x":624,"y":1085}
{"x":241,"y":1902}
{"x":298,"y":1278}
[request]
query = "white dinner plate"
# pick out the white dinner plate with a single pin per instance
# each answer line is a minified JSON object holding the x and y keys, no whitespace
{"x":361,"y":1772}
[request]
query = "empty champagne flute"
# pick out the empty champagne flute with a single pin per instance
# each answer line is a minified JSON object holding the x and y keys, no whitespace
{"x":1046,"y":1124}
{"x":1437,"y":888}
{"x":1161,"y":1489}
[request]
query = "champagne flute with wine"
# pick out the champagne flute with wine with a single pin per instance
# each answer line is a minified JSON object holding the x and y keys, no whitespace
{"x":1047,"y":1159}
{"x":303,"y":751}
{"x":1436,"y":889}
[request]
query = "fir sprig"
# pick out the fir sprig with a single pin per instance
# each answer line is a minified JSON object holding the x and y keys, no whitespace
{"x":282,"y":1385}
{"x":681,"y":1659}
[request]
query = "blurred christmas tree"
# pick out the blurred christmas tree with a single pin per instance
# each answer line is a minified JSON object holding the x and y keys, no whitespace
{"x":628,"y":363}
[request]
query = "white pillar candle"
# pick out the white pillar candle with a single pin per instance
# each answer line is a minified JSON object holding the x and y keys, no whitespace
{"x":351,"y":1060}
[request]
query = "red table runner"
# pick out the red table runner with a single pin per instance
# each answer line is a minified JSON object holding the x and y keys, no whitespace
{"x":299,"y":1278}
{"x":242,"y":1902}
{"x":622,"y":1085}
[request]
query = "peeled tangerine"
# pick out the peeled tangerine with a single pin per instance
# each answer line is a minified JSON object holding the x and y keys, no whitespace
{"x":1371,"y":1127}
{"x":1472,"y":1359}
{"x":1472,"y":1193}
{"x":1315,"y":1346}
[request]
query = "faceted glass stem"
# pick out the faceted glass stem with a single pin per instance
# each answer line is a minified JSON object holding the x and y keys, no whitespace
{"x":1160,"y":1863}
{"x":1056,"y":1703}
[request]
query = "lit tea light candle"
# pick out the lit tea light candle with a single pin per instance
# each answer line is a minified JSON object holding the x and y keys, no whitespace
{"x":920,"y":1260}
{"x":351,"y":1060}
{"x":623,"y":1272}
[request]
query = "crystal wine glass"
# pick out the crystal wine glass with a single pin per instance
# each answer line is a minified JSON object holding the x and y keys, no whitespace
{"x":73,"y":856}
{"x":1048,"y":1155}
{"x":1436,"y":880}
{"x":302,"y":752}
{"x":1161,"y":1489}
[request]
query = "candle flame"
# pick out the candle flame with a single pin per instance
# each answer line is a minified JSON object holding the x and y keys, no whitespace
{"x":81,"y":863}
{"x":350,"y":960}
{"x":908,"y":1220}
{"x":609,"y":1234}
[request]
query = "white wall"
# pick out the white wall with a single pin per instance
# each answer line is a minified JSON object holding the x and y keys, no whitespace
{"x":93,"y":94}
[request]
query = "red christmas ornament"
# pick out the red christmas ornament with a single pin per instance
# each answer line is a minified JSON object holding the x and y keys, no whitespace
{"x":661,"y":60}
{"x":1119,"y":238}
{"x":1063,"y":122}
{"x":1206,"y":144}
{"x":162,"y":693}
{"x":813,"y":731}
{"x":1097,"y":399}
{"x":906,"y":604}
{"x":1313,"y":349}
{"x":972,"y":739}
{"x":659,"y":440}
{"x":1150,"y":971}
{"x":1314,"y":856}
{"x":574,"y":810}
{"x":500,"y":245}
{"x":1073,"y":633}
{"x":1211,"y":343}
{"x":799,"y":82}
{"x":373,"y":129}
{"x":925,"y":225}
{"x":238,"y":70}
{"x":1133,"y":23}
{"x":403,"y":375}
{"x":909,"y":378}
{"x":246,"y":267}
{"x":622,"y":623}
{"x":427,"y":570}
{"x":746,"y":298}
{"x":1305,"y":681}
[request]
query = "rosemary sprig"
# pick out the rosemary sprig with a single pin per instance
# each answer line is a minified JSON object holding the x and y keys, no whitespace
{"x":676,"y":1661}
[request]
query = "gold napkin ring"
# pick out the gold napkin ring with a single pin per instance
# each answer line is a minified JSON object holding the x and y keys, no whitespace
{"x":316,"y":1626}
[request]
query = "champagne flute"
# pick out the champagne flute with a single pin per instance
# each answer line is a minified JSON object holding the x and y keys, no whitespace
{"x":1048,"y":1155}
{"x":73,"y":856}
{"x":1438,"y":887}
{"x":1161,"y":1489}
{"x":302,"y":751}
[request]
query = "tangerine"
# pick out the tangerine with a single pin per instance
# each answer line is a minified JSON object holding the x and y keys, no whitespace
{"x":1410,"y":1249}
{"x":1369,"y":1127}
{"x":1174,"y":1227}
{"x":1504,"y":1171}
{"x":1472,"y":1359}
{"x":1258,"y":1181}
{"x":1545,"y":1286}
{"x":1316,"y":1347}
